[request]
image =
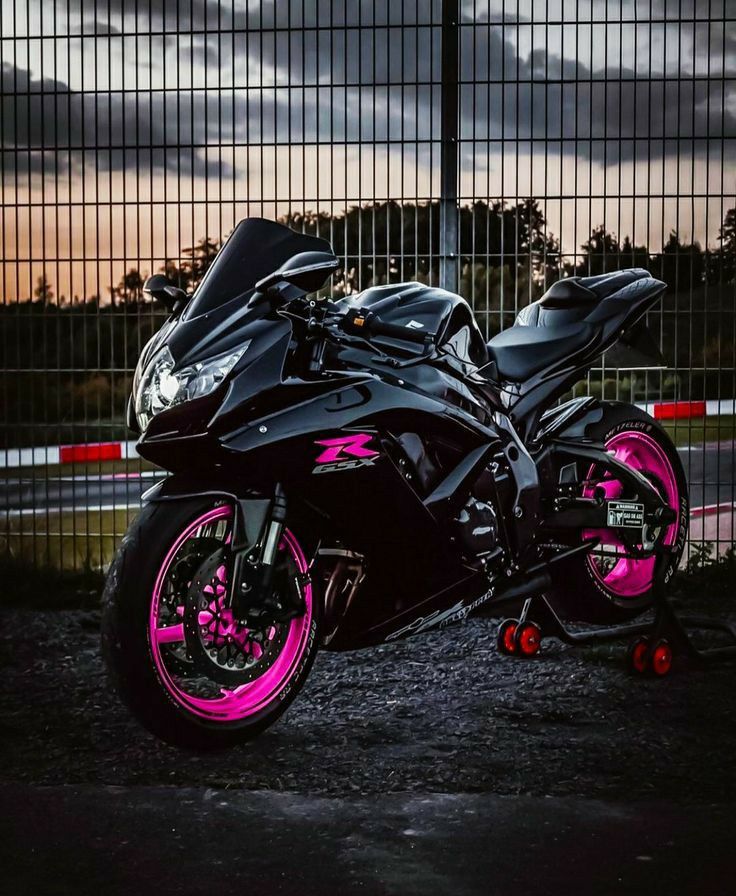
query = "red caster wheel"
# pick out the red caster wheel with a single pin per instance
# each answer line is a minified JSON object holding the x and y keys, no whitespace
{"x":661,"y":661}
{"x":528,"y":639}
{"x":505,"y":637}
{"x":637,"y":656}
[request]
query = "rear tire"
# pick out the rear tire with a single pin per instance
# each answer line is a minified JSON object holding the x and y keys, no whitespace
{"x":144,"y":682}
{"x":578,"y":591}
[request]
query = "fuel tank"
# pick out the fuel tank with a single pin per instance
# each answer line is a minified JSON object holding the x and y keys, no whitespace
{"x":426,"y":309}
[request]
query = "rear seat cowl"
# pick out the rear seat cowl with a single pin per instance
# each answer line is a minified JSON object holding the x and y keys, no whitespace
{"x":567,"y":293}
{"x":579,"y":292}
{"x":583,"y":298}
{"x":604,"y":285}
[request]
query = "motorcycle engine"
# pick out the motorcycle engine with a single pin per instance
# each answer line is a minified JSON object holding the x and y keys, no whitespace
{"x":477,"y":526}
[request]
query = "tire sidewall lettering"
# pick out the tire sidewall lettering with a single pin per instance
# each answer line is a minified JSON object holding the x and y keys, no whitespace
{"x":303,"y":662}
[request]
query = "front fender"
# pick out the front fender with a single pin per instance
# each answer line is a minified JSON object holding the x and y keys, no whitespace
{"x":251,"y":509}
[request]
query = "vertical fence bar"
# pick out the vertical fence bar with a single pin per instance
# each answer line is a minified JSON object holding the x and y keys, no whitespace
{"x":450,"y":133}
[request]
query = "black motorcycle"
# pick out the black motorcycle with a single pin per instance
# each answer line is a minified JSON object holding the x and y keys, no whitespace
{"x":351,"y":472}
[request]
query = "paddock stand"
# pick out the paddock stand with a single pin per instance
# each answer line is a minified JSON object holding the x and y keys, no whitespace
{"x":655,"y":643}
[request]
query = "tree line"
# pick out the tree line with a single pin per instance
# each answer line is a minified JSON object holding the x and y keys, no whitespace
{"x":391,"y":242}
{"x":68,"y":362}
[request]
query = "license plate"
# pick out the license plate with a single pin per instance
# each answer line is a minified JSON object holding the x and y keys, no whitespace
{"x":625,"y":514}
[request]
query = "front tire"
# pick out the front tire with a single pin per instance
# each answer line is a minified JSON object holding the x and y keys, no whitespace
{"x":144,"y":644}
{"x":593,"y":589}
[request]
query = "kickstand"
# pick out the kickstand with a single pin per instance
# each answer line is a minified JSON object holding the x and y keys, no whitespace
{"x":656,"y":643}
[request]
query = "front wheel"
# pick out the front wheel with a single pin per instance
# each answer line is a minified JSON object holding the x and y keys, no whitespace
{"x":188,"y":670}
{"x":610,"y":585}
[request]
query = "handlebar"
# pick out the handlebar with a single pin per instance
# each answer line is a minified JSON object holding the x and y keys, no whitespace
{"x":367,"y":324}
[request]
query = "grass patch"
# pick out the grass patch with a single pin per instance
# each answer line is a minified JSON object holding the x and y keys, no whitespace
{"x":707,"y":578}
{"x":67,"y":540}
{"x":700,"y":430}
{"x":125,"y":466}
{"x":44,"y":587}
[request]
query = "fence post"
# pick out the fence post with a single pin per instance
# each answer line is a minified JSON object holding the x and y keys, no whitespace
{"x":448,"y":149}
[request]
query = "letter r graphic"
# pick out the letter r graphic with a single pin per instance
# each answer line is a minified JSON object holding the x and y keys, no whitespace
{"x":353,"y":446}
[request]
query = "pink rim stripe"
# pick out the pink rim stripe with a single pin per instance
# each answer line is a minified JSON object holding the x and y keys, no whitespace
{"x":629,"y":577}
{"x":247,"y":699}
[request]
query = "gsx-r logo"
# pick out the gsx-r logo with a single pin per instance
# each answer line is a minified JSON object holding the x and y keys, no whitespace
{"x":345,"y":453}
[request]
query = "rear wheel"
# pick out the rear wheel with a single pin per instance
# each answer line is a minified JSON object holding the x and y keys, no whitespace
{"x":609,"y":585}
{"x":189,"y":671}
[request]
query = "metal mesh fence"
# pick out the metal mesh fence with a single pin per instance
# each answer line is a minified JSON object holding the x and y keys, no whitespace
{"x":490,"y":147}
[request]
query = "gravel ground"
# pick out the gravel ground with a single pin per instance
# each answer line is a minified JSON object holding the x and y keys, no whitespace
{"x":438,"y":713}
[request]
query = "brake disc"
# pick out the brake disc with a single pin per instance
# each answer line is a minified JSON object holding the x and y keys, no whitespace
{"x":194,"y":553}
{"x":222,"y":647}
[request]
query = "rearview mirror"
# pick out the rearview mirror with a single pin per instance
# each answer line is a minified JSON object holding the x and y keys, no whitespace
{"x":159,"y":288}
{"x":307,"y":271}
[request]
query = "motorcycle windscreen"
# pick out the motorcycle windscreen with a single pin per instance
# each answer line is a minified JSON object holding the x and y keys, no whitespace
{"x":255,"y":249}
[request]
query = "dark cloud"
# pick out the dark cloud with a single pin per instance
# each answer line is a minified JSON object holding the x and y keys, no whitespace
{"x":526,"y":98}
{"x":53,"y":129}
{"x":176,"y":17}
{"x":351,"y":85}
{"x":117,"y":16}
{"x":347,"y":86}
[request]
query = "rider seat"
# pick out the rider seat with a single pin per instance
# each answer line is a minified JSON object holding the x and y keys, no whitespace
{"x":520,"y":351}
{"x":554,"y":327}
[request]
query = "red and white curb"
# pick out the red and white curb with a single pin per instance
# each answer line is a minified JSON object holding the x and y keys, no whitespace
{"x":688,"y":410}
{"x":712,"y":510}
{"x":89,"y":452}
{"x":714,"y":524}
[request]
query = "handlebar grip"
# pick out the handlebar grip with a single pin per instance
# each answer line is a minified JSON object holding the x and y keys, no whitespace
{"x":370,"y":324}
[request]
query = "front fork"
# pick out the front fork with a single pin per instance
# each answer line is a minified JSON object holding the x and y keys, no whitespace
{"x":255,"y":545}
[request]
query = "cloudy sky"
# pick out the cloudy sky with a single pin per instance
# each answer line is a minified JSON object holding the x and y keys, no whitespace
{"x":129,"y":130}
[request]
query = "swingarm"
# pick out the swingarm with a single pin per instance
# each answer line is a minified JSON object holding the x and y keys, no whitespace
{"x":644,"y":511}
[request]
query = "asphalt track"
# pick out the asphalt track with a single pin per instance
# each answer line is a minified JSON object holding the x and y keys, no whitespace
{"x":39,"y":494}
{"x":710,"y":471}
{"x":122,"y":840}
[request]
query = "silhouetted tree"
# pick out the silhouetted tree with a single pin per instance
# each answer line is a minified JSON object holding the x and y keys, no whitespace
{"x":179,"y":275}
{"x":200,"y":258}
{"x":389,"y":242}
{"x":130,"y":288}
{"x":43,"y":291}
{"x":188,"y":274}
{"x":680,"y":265}
{"x":633,"y":256}
{"x":507,"y":257}
{"x":725,"y":257}
{"x":602,"y":253}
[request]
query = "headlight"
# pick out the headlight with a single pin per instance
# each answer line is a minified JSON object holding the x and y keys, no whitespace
{"x":161,"y":388}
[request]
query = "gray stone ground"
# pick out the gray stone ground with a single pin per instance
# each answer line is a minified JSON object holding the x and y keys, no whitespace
{"x":430,"y":766}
